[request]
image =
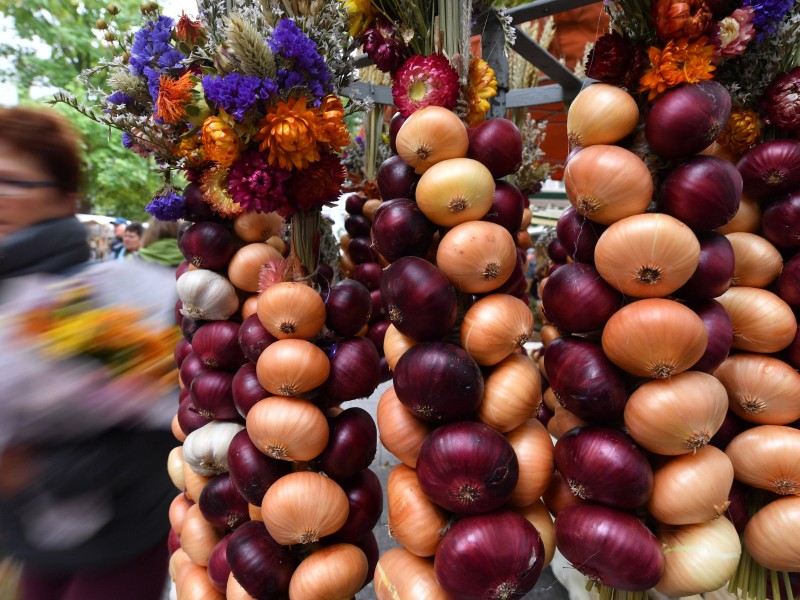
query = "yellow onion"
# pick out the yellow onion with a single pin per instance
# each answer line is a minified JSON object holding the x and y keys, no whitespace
{"x":401,"y":574}
{"x":772,"y":535}
{"x":512,"y":393}
{"x":287,"y":428}
{"x":762,"y":322}
{"x":477,"y":256}
{"x":766,"y":457}
{"x":757,"y":263}
{"x":494,"y":327}
{"x":414,"y":521}
{"x":601,"y":114}
{"x":534,"y":450}
{"x":334,"y":572}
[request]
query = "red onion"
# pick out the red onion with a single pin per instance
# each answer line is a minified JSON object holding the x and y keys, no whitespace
{"x":507,"y":206}
{"x":553,"y":267}
{"x":788,"y":287}
{"x":216,"y":343}
{"x":467,"y":468}
{"x":605,"y":466}
{"x":399,"y":228}
{"x":173,"y":541}
{"x":577,"y":300}
{"x":703,"y":192}
{"x":395,"y":124}
{"x":352,"y":443}
{"x":189,"y":327}
{"x":543,"y":414}
{"x":556,"y":252}
{"x":714,"y":271}
{"x":376,"y":333}
{"x":207,"y":245}
{"x":218,"y":568}
{"x":578,"y":235}
{"x":252,"y":471}
{"x":386,"y":372}
{"x":179,"y":316}
{"x":781,"y":221}
{"x":355,"y":370}
{"x":585,"y":382}
{"x":221,"y":503}
{"x":182,"y":349}
{"x":369,"y":275}
{"x":323,"y":276}
{"x":253,"y":338}
{"x":191,"y":367}
{"x":357,"y":226}
{"x":771,"y":169}
{"x":348,"y":307}
{"x":246,"y":389}
{"x":189,"y":417}
{"x":732,"y":426}
{"x":497,"y":143}
{"x":361,"y":250}
{"x":181,"y":269}
{"x":737,"y":512}
{"x":354,"y":204}
{"x":498,"y":555}
{"x":396,"y":179}
{"x":195,"y":206}
{"x":212,"y":394}
{"x":720,"y":334}
{"x":438,"y":382}
{"x":369,"y":546}
{"x":517,"y":284}
{"x":558,"y":496}
{"x":261,"y":566}
{"x":792,"y":353}
{"x":365,"y":495}
{"x":630,"y":559}
{"x":687,"y":119}
{"x":418,"y":299}
{"x":378,"y":313}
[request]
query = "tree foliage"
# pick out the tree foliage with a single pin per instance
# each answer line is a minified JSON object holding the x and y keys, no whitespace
{"x":118,"y":181}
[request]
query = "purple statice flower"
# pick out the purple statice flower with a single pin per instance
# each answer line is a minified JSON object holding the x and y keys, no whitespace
{"x":302,"y":65}
{"x":238,"y":94}
{"x":151,"y":52}
{"x":119,"y":98}
{"x":167,"y":206}
{"x":256,"y":185}
{"x":127,"y":140}
{"x":768,"y":13}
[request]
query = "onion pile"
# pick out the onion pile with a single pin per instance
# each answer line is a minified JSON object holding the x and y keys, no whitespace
{"x":275,"y":492}
{"x":460,"y":414}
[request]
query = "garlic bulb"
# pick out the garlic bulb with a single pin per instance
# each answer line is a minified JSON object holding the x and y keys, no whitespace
{"x":206,"y":449}
{"x":206,"y":295}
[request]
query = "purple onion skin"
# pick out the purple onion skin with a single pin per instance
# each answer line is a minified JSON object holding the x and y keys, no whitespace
{"x":737,"y":512}
{"x":354,"y":204}
{"x":771,"y":169}
{"x":556,"y":251}
{"x":395,"y":123}
{"x":712,"y":278}
{"x":496,"y":555}
{"x":377,"y":307}
{"x":254,"y":338}
{"x":357,"y":226}
{"x":246,"y":389}
{"x":732,"y":426}
{"x":365,"y":495}
{"x":355,"y":370}
{"x":507,"y":207}
{"x":585,"y":381}
{"x":687,"y":119}
{"x":197,"y":209}
{"x":218,"y":568}
{"x":369,"y":275}
{"x":386,"y":372}
{"x":376,"y":334}
{"x":173,"y":541}
{"x":780,"y":221}
{"x":703,"y":192}
{"x":189,"y":327}
{"x":792,"y":353}
{"x":605,"y":466}
{"x":369,"y":546}
{"x":252,"y":471}
{"x":497,"y":144}
{"x":189,"y":417}
{"x":348,"y":307}
{"x":577,"y":300}
{"x":361,"y":250}
{"x":788,"y":286}
{"x":438,"y":382}
{"x":467,"y":468}
{"x":261,"y":566}
{"x":212,"y":394}
{"x":578,"y":235}
{"x":516,"y":285}
{"x":207,"y":245}
{"x":216,"y":343}
{"x":182,"y":350}
{"x":720,"y":334}
{"x":418,"y":299}
{"x":631,"y":557}
{"x":399,"y":228}
{"x":352,"y":444}
{"x":396,"y":179}
{"x":221,"y":503}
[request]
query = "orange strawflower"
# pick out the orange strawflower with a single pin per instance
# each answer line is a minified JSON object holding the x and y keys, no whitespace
{"x":482,"y":86}
{"x":214,"y":187}
{"x":741,"y":132}
{"x":332,"y":128}
{"x":192,"y":149}
{"x":288,"y":134}
{"x":680,"y":61}
{"x":173,"y":96}
{"x":187,"y":30}
{"x":681,"y":18}
{"x":220,"y":141}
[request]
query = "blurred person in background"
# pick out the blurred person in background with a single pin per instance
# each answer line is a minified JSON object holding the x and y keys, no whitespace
{"x":86,"y":515}
{"x":131,"y":241}
{"x":120,"y":225}
{"x":160,"y":244}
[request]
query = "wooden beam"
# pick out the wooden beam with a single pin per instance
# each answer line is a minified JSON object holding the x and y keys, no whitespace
{"x":543,"y":8}
{"x":545,"y":94}
{"x":381,"y":94}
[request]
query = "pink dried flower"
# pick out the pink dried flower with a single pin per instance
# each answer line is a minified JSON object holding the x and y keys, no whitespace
{"x":733,"y":33}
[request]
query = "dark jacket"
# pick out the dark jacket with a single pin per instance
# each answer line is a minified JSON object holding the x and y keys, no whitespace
{"x":109,"y":493}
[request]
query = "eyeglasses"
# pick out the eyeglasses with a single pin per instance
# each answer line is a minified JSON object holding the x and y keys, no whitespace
{"x":12,"y":187}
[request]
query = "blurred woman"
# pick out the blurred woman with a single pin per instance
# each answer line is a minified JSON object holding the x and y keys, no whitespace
{"x":86,"y":516}
{"x":160,"y":244}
